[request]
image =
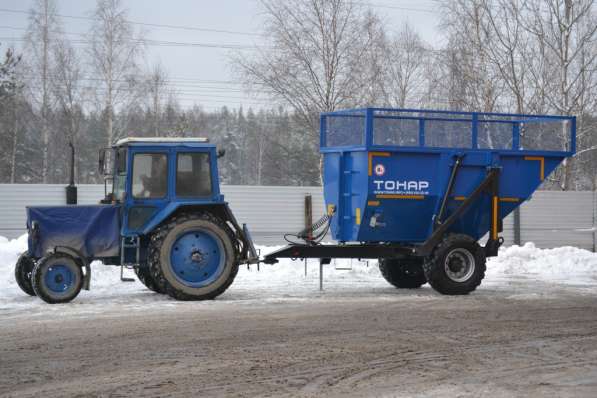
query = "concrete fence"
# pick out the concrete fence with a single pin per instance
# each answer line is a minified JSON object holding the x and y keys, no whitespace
{"x":549,"y":219}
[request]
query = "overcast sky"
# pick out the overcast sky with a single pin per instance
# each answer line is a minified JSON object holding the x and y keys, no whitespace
{"x":198,"y":73}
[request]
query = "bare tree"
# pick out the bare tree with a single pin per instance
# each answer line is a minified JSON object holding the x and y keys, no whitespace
{"x":405,"y":59}
{"x":68,"y":91}
{"x":41,"y":33}
{"x":114,"y":54}
{"x":469,"y":80}
{"x":158,"y":94}
{"x":567,"y":30}
{"x":317,"y":55}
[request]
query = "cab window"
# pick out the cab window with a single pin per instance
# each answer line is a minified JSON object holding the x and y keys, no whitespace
{"x":193,"y":176}
{"x":150,"y":175}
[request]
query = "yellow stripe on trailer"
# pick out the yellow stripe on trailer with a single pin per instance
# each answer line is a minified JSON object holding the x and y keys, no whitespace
{"x":541,"y":161}
{"x":372,"y":154}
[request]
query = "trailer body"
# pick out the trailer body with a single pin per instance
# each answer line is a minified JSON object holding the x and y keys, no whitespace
{"x":417,"y":189}
{"x":387,"y":171}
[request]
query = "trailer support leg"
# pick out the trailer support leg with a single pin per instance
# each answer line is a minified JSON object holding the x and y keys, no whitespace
{"x":322,"y":262}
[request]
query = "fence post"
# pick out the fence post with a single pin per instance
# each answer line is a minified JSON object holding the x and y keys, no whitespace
{"x":309,"y":214}
{"x":517,"y":226}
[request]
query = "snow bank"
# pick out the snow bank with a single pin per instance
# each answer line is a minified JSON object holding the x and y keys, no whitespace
{"x":563,"y":264}
{"x":287,"y":280}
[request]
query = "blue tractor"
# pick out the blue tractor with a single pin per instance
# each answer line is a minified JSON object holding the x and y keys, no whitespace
{"x":164,"y":216}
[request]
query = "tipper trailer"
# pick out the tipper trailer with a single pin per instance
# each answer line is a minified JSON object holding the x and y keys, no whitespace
{"x":415,"y":189}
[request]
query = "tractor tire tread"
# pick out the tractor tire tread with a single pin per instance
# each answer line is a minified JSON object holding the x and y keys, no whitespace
{"x":38,"y":285}
{"x":155,"y":250}
{"x":394,"y":274}
{"x":23,"y":270}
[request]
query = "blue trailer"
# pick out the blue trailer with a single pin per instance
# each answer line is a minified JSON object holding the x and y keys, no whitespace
{"x":417,"y":189}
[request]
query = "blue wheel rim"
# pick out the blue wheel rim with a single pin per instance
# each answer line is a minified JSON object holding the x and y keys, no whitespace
{"x":59,"y":278}
{"x":197,"y":258}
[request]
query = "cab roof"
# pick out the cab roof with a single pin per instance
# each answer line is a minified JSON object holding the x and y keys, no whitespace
{"x":161,"y":140}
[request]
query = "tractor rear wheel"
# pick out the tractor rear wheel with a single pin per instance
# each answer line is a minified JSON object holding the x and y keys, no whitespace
{"x":456,"y":266}
{"x":144,"y":276}
{"x":57,"y":278}
{"x":404,"y":273}
{"x":23,"y":270}
{"x":192,"y":257}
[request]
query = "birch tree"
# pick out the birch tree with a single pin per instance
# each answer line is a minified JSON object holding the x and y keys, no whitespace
{"x":67,"y":86}
{"x":405,"y":59}
{"x":158,"y":94}
{"x":114,"y":54}
{"x":43,"y":29}
{"x":567,"y":30}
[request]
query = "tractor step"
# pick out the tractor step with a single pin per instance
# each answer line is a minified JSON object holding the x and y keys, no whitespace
{"x":122,"y":278}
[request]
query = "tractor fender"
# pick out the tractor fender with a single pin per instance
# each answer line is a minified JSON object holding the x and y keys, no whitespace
{"x":78,"y":257}
{"x":174,"y":207}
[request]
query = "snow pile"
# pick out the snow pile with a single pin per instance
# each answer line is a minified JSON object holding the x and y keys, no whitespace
{"x":346,"y":279}
{"x":563,"y":264}
{"x":9,"y":253}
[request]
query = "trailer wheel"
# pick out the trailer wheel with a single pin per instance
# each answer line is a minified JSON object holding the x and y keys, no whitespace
{"x":193,"y":258}
{"x":404,"y":273}
{"x":456,"y":266}
{"x":144,"y":276}
{"x":23,"y":270}
{"x":57,"y":278}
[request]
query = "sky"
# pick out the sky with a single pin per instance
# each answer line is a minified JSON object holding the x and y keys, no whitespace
{"x":201,"y":74}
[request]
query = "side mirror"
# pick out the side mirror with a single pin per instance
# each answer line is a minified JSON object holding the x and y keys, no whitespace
{"x":221,"y":153}
{"x":105,"y":161}
{"x":101,"y":161}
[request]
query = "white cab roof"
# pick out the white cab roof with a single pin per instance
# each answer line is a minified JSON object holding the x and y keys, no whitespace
{"x":129,"y":140}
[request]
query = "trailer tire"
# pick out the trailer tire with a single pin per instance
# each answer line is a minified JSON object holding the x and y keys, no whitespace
{"x":456,"y":266}
{"x":57,"y":278}
{"x":23,"y":270}
{"x":144,"y":276}
{"x":403,"y":273}
{"x":192,"y":257}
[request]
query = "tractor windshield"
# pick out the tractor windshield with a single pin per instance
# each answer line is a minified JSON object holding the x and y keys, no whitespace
{"x":119,"y":174}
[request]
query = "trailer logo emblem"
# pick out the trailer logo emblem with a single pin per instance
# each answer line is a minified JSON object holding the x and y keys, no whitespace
{"x":380,"y":169}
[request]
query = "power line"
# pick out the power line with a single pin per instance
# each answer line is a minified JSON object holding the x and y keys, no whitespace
{"x":392,"y":7}
{"x":155,"y":25}
{"x":158,"y":43}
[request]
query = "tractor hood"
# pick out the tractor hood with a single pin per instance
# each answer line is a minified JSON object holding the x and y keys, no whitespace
{"x":93,"y":231}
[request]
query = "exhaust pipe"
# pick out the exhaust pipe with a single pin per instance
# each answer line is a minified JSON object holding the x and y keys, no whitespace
{"x":71,"y":189}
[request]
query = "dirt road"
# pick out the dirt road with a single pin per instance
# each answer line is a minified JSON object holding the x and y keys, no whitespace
{"x":397,"y":344}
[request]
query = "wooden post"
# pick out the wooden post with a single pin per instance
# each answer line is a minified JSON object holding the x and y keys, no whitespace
{"x":309,"y":214}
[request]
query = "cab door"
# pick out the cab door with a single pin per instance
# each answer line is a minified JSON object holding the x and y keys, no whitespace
{"x":148,"y":188}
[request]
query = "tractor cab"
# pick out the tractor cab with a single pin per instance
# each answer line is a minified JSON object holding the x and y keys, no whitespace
{"x":151,"y":177}
{"x":163,"y":215}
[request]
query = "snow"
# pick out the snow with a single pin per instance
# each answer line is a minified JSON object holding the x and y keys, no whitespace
{"x":560,"y":268}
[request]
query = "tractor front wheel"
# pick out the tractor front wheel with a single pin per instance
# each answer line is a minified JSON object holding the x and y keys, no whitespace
{"x":404,"y":273}
{"x":23,"y":270}
{"x":456,"y":265}
{"x":192,"y":257}
{"x":57,"y":278}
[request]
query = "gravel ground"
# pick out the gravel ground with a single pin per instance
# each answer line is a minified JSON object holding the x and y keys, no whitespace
{"x":510,"y":338}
